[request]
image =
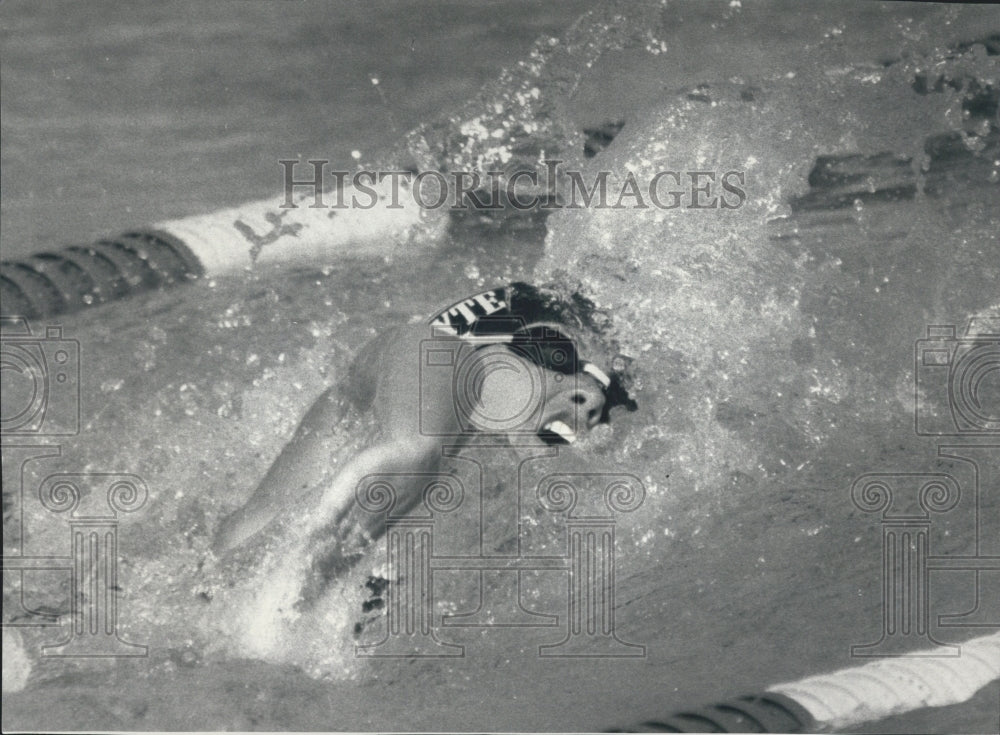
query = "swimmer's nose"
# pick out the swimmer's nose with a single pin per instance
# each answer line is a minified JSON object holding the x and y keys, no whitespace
{"x":582,"y":401}
{"x":571,"y":408}
{"x":589,"y":404}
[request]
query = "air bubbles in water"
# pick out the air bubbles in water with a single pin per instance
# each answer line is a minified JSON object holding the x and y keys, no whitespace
{"x":145,"y":355}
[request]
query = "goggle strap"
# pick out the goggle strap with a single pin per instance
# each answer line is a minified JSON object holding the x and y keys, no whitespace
{"x":595,"y":372}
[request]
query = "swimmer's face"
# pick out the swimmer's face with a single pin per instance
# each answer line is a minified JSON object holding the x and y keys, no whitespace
{"x":563,"y":407}
{"x":573,"y":406}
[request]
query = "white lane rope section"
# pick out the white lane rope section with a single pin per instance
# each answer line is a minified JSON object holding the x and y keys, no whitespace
{"x":257,"y":233}
{"x":892,"y":686}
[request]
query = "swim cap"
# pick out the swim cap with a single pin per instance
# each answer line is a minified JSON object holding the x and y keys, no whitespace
{"x":543,"y":325}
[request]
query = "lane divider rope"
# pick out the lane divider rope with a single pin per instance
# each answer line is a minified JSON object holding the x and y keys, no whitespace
{"x":226,"y":241}
{"x":849,"y":697}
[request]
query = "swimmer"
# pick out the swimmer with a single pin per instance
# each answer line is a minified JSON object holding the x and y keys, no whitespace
{"x":502,"y":361}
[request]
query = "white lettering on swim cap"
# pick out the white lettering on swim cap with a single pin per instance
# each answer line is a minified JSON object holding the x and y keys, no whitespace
{"x":458,"y":318}
{"x":463,"y":308}
{"x":489,"y":302}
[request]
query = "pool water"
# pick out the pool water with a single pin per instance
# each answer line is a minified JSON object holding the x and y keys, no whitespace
{"x":772,"y":345}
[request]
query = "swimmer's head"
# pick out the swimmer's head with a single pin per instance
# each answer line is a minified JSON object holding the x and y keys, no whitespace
{"x":586,"y":327}
{"x":579,"y":394}
{"x":559,"y":332}
{"x":568,"y":351}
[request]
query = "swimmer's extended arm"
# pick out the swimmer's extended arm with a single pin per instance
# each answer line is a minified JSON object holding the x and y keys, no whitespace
{"x":337,"y":509}
{"x":317,"y":454}
{"x":412,"y":412}
{"x":305,"y":463}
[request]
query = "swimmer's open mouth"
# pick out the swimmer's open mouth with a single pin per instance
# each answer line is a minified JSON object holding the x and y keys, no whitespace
{"x":557,"y":432}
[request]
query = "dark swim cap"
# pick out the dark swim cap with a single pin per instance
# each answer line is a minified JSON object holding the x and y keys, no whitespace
{"x":543,"y":325}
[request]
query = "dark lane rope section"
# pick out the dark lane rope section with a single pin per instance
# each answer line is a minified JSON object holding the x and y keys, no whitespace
{"x":85,"y":275}
{"x":762,"y":713}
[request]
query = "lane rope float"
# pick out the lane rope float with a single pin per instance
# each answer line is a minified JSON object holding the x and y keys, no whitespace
{"x":895,"y":685}
{"x":227,"y":241}
{"x":760,"y":713}
{"x":849,"y":697}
